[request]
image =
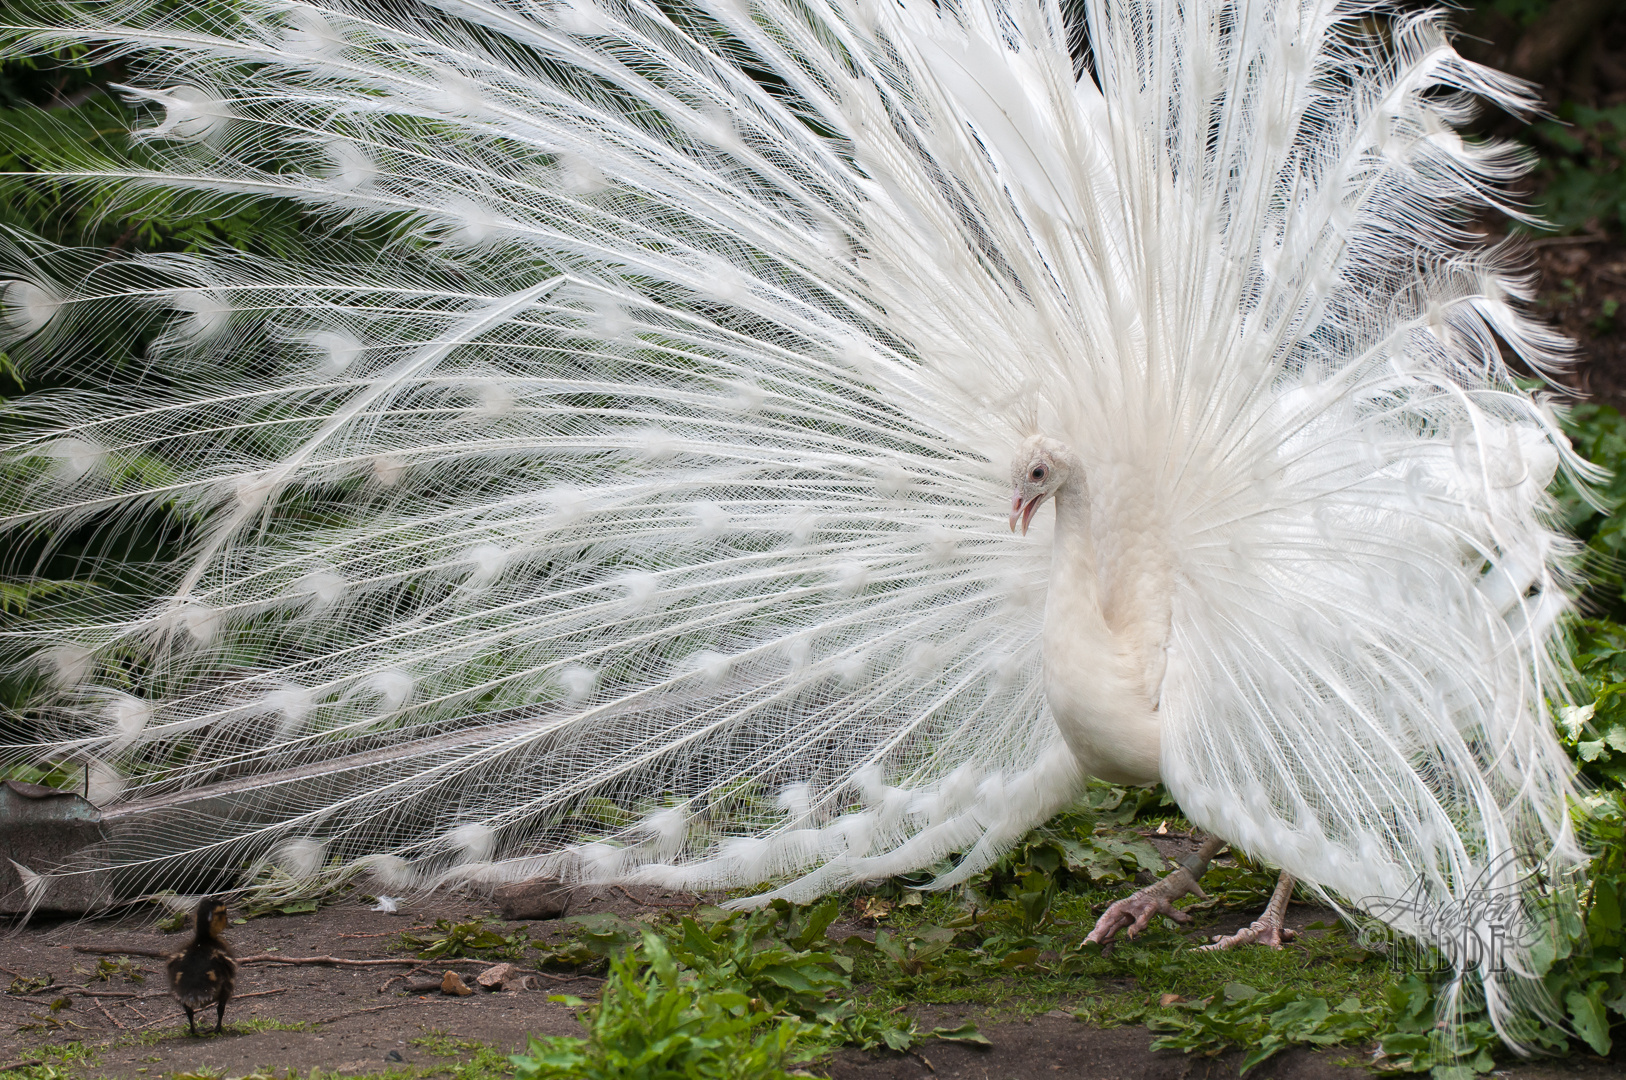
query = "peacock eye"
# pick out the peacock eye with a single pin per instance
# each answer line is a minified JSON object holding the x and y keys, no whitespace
{"x":1038,"y":472}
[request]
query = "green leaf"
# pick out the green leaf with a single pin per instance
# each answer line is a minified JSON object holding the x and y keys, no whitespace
{"x":1020,"y":958}
{"x":1605,"y":912}
{"x":1451,"y":1072}
{"x":1590,"y":1018}
{"x":1574,"y":717}
{"x":1265,"y":1050}
{"x":965,"y":1033}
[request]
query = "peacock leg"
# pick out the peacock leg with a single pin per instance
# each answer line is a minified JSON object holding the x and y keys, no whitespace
{"x":1267,"y":929}
{"x":1135,"y":912}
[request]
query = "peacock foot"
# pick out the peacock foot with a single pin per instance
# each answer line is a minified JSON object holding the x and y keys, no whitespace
{"x":1258,"y":932}
{"x":1134,"y":913}
{"x":1268,"y":929}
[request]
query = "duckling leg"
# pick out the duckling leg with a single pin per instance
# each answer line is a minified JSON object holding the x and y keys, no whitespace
{"x":191,"y":1019}
{"x":220,"y":1012}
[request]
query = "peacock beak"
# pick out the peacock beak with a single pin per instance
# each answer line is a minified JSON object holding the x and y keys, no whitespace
{"x":1023,"y":511}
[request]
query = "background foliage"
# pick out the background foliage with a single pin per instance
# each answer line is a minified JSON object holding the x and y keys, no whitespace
{"x":755,"y":996}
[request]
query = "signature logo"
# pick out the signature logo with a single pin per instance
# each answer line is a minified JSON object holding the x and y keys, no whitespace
{"x":1476,"y":929}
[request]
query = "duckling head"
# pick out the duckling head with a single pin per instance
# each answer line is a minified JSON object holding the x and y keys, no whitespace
{"x":211,"y":917}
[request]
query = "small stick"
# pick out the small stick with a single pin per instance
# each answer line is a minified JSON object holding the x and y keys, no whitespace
{"x":404,"y":975}
{"x":160,"y":1020}
{"x":336,"y":961}
{"x":275,"y":958}
{"x":131,"y":1006}
{"x":25,"y":1063}
{"x":104,"y":993}
{"x":391,"y":933}
{"x":651,"y":903}
{"x":358,"y":1012}
{"x":260,"y":993}
{"x":422,"y":987}
{"x":109,"y":1015}
{"x":1565,"y":241}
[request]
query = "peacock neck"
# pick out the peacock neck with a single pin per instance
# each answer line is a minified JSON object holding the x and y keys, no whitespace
{"x":1072,"y":557}
{"x":1073,"y":610}
{"x":1093,"y":681}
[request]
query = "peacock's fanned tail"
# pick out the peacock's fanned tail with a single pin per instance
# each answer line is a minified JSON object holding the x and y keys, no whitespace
{"x":617,"y":488}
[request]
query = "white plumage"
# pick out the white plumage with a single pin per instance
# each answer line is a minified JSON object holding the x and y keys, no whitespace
{"x":640,"y":513}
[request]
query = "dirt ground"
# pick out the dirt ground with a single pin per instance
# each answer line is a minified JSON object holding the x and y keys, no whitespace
{"x":1581,"y":288}
{"x":357,"y":1020}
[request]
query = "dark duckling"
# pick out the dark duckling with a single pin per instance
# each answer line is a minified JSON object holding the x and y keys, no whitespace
{"x":203,"y":974}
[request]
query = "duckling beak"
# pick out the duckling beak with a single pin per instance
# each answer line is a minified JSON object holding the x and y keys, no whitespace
{"x":1023,"y":511}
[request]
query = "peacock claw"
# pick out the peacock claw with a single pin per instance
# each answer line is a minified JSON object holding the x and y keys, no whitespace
{"x":1134,"y":913}
{"x":1269,"y":928}
{"x":1258,"y":932}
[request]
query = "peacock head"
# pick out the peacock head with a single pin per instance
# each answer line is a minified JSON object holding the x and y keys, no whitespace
{"x":1042,"y":467}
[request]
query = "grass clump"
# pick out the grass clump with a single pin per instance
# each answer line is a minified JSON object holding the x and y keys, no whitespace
{"x":1265,"y":1023}
{"x":658,"y":1020}
{"x":726,"y":994}
{"x":475,"y":939}
{"x":471,"y":1060}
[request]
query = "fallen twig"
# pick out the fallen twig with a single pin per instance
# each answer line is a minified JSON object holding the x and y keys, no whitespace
{"x":260,"y":993}
{"x":652,"y":903}
{"x":334,"y":961}
{"x":102,"y":993}
{"x":431,"y":985}
{"x":278,"y":958}
{"x":563,"y":978}
{"x":358,"y":1012}
{"x":1566,"y":241}
{"x":160,"y":1020}
{"x":1547,"y":241}
{"x":115,"y":1021}
{"x":403,"y":975}
{"x":25,"y":1063}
